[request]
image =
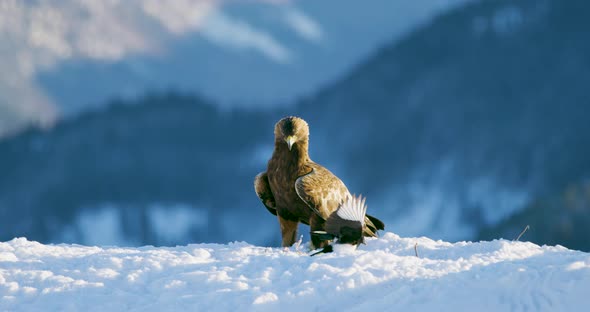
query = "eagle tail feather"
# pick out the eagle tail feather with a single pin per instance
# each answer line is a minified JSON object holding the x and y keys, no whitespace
{"x":379,"y":225}
{"x":372,"y":226}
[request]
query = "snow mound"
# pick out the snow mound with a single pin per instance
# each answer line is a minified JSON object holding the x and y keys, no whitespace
{"x":385,"y":274}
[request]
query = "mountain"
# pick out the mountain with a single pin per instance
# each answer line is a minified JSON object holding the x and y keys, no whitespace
{"x":63,"y":58}
{"x":119,"y":170}
{"x":560,"y":218}
{"x":467,"y":120}
{"x":452,"y":130}
{"x":489,"y":276}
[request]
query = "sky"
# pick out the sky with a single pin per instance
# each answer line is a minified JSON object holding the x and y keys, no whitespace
{"x":58,"y":57}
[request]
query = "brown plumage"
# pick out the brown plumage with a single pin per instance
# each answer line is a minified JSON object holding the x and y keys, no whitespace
{"x":296,"y":189}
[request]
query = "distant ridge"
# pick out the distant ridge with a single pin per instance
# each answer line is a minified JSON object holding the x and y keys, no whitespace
{"x":451,"y":130}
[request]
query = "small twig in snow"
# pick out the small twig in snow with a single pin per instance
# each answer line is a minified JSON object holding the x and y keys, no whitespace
{"x":416,"y":250}
{"x":298,"y":243}
{"x":521,"y":233}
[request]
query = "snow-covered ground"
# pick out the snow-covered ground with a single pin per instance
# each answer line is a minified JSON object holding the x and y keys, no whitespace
{"x":383,"y":275}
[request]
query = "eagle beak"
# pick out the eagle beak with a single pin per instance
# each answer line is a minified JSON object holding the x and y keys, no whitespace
{"x":290,"y":141}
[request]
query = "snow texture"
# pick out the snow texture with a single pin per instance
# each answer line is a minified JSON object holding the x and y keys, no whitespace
{"x":383,"y":275}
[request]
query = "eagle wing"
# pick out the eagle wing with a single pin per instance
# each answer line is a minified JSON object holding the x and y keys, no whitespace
{"x":262,"y":188}
{"x":324,"y":193}
{"x":321,"y":190}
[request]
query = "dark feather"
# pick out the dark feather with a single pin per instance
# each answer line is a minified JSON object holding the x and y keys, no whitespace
{"x":264,"y":193}
{"x":377,"y":224}
{"x":323,"y":235}
{"x":326,"y":249}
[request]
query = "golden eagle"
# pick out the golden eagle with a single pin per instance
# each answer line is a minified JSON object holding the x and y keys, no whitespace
{"x":296,"y":189}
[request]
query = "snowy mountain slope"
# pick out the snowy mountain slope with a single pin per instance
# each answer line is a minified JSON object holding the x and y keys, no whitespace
{"x":562,"y":218}
{"x":466,"y":121}
{"x":442,"y":144}
{"x":382,"y":275}
{"x":68,"y":56}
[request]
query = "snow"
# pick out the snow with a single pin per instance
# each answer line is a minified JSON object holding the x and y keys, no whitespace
{"x":488,"y":276}
{"x":436,"y":199}
{"x":184,"y":217}
{"x":104,"y":224}
{"x":97,"y":226}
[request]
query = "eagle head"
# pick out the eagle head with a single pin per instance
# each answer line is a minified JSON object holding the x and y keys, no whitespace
{"x":291,"y":130}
